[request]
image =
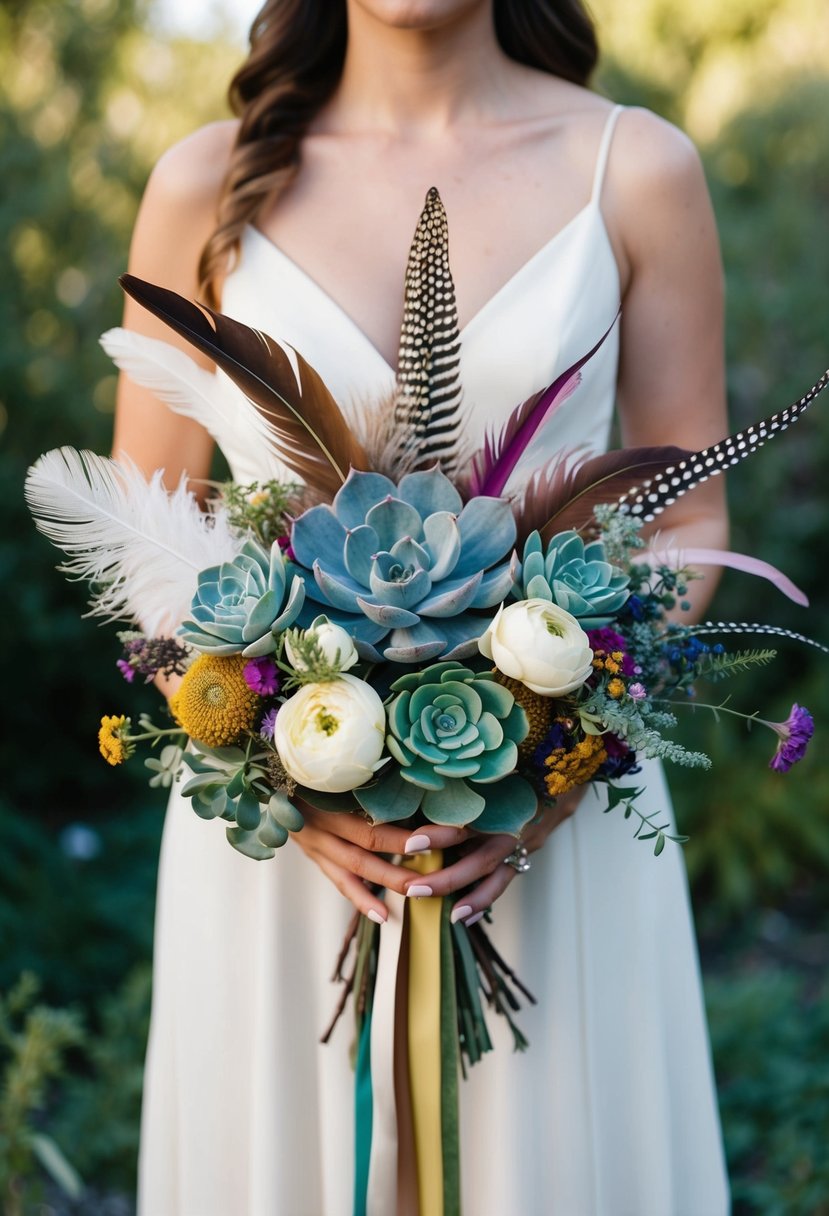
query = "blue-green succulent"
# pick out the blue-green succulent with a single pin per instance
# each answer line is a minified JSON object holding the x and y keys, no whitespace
{"x":401,"y":567}
{"x":241,"y":606}
{"x":454,"y":734}
{"x":576,"y":576}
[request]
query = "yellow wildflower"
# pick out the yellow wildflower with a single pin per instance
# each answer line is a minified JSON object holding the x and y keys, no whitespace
{"x":213,"y":703}
{"x":616,"y":688}
{"x":574,"y":767}
{"x":111,"y":744}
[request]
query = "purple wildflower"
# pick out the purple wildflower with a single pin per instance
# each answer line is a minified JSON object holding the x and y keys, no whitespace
{"x":261,"y":676}
{"x":609,"y":640}
{"x":621,"y":759}
{"x":268,"y":724}
{"x":637,"y":692}
{"x":126,"y":670}
{"x":794,"y":735}
{"x":284,"y":543}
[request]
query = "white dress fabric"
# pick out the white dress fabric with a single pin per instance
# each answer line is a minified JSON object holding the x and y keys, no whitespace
{"x":612,"y":1111}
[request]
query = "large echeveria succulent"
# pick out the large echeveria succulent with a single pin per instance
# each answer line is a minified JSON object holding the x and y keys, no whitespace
{"x":241,"y":606}
{"x":455,"y":735}
{"x":576,"y":576}
{"x":400,"y":566}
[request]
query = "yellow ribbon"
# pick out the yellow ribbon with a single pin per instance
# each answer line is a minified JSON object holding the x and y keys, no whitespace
{"x":424,"y":1037}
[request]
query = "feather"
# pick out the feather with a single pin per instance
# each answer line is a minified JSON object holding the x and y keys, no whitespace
{"x":565,"y":492}
{"x":681,"y":558}
{"x":775,"y":631}
{"x":643,"y":481}
{"x":428,"y":391}
{"x":493,"y":464}
{"x":648,"y":498}
{"x":140,"y":546}
{"x":187,"y":388}
{"x":309,"y":431}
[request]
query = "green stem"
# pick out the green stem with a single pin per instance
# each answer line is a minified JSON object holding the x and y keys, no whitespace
{"x":155,"y":734}
{"x":718,"y":709}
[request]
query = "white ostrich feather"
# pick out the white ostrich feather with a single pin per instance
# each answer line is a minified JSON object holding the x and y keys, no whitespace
{"x":205,"y":396}
{"x":140,"y":546}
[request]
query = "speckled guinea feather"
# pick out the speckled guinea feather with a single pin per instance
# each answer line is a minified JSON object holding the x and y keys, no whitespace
{"x":428,"y":391}
{"x":650,"y":497}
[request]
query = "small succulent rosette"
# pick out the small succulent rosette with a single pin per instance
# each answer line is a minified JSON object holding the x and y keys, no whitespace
{"x":453,"y":735}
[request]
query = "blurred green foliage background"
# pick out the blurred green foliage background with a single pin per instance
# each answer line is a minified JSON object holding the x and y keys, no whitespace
{"x":89,"y":98}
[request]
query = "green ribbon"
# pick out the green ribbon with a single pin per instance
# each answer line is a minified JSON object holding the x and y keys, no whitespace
{"x":362,"y":1118}
{"x":449,"y":1114}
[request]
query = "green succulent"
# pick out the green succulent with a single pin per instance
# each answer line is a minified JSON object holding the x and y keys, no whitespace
{"x":241,"y":606}
{"x":455,"y":734}
{"x":576,"y":576}
{"x":230,"y":783}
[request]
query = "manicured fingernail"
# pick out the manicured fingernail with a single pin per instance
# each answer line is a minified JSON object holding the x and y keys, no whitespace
{"x":460,"y":912}
{"x":376,"y":917}
{"x":417,"y":891}
{"x":417,"y":844}
{"x":473,"y":920}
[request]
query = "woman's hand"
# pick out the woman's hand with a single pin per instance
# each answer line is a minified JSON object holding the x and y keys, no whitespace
{"x":484,"y":861}
{"x":349,"y":851}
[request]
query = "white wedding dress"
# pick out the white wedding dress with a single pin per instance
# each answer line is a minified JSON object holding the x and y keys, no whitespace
{"x":612,"y":1111}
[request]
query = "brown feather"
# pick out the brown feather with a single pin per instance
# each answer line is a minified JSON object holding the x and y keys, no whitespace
{"x":564,"y":494}
{"x":310,"y":434}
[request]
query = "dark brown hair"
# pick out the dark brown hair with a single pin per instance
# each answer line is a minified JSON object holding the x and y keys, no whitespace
{"x":297,"y":49}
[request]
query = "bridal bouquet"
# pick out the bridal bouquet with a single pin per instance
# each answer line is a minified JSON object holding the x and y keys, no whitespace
{"x":397,"y":633}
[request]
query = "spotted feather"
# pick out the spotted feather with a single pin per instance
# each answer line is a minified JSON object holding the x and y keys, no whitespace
{"x":428,"y":390}
{"x":748,"y":627}
{"x":651,"y":497}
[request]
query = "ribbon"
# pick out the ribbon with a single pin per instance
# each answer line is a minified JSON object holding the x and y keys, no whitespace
{"x":415,"y":965}
{"x":425,"y":1038}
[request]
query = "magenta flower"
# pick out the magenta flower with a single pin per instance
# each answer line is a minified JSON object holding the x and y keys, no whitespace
{"x":637,"y":692}
{"x":126,"y":670}
{"x":284,"y":543}
{"x":261,"y":676}
{"x":268,"y":724}
{"x":794,"y":735}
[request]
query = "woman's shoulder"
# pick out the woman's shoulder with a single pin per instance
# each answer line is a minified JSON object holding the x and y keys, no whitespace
{"x":190,"y":174}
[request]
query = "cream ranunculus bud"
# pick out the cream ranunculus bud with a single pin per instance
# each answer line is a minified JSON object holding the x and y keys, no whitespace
{"x":541,"y":645}
{"x":330,"y":735}
{"x":334,"y":642}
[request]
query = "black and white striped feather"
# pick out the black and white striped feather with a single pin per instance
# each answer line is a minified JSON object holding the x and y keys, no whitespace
{"x":651,"y":497}
{"x":428,"y":391}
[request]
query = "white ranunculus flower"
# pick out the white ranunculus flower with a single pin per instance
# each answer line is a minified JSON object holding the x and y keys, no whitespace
{"x":541,"y":645}
{"x":336,"y":645}
{"x":330,"y":735}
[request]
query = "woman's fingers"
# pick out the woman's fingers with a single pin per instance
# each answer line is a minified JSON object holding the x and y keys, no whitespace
{"x":354,"y":890}
{"x":472,"y":905}
{"x":384,"y":838}
{"x":370,"y":867}
{"x":477,"y":863}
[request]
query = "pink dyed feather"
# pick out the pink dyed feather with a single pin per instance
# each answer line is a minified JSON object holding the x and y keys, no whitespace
{"x":493,"y":464}
{"x":679,"y":558}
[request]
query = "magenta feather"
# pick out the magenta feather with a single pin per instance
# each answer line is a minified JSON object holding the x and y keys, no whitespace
{"x":494,"y":463}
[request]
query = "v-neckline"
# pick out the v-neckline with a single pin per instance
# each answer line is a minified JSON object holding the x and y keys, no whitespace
{"x":589,"y":208}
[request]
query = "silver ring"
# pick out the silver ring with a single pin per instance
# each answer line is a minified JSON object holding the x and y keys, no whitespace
{"x":518,"y":859}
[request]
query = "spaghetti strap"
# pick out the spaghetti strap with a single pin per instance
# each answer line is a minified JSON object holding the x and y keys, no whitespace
{"x":604,"y":151}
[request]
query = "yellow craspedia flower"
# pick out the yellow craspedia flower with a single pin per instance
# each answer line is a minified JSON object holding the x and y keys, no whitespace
{"x":616,"y":688}
{"x":213,"y":703}
{"x":539,"y":711}
{"x":574,"y":767}
{"x":113,"y":748}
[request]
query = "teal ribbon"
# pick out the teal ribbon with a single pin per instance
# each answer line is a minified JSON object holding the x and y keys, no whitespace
{"x":362,"y":1118}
